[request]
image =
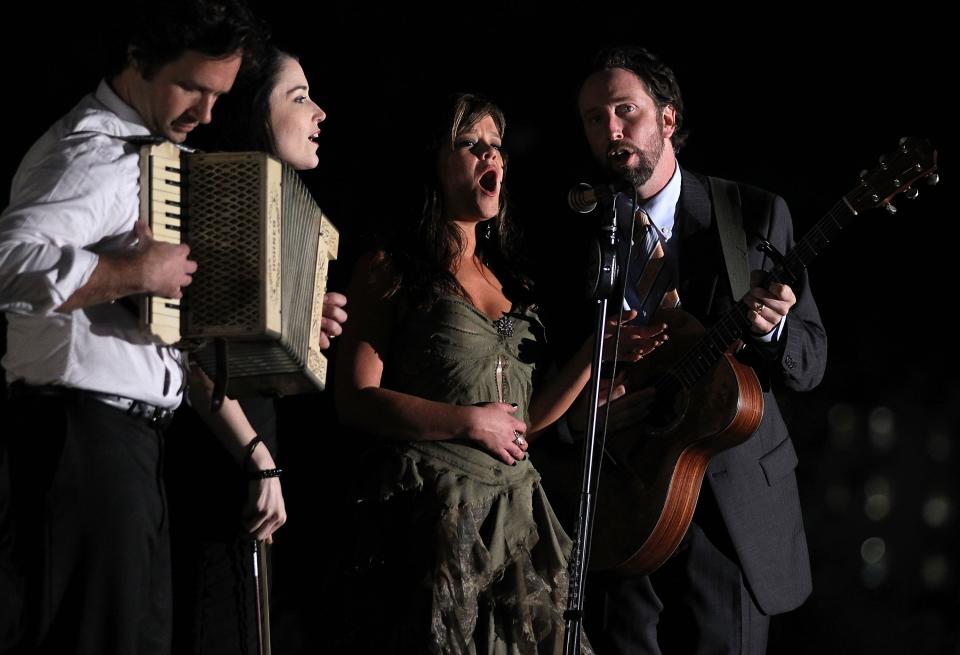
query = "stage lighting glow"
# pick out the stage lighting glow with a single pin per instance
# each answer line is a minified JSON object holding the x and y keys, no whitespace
{"x":936,"y":511}
{"x":877,"y":490}
{"x":882,"y":429}
{"x":842,"y":419}
{"x":873,"y":549}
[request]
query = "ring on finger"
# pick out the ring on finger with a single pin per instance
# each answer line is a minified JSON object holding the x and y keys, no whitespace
{"x":519,"y":439}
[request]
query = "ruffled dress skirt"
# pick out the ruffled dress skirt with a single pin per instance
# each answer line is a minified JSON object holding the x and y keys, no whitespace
{"x":456,"y":553}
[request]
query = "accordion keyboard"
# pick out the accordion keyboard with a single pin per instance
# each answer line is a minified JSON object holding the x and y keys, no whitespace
{"x":160,"y":205}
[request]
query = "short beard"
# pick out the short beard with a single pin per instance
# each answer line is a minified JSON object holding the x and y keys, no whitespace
{"x":647,"y":160}
{"x":643,"y":171}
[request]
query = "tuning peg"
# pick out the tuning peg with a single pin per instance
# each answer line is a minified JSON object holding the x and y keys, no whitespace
{"x":891,"y":209}
{"x":933,"y":179}
{"x":863,"y":173}
{"x":912,"y":193}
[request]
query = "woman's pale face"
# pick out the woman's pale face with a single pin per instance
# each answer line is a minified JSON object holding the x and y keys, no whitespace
{"x":471,"y":173}
{"x":294,"y":118}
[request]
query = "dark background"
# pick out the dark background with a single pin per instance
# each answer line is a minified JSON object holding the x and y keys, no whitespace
{"x":797,"y":104}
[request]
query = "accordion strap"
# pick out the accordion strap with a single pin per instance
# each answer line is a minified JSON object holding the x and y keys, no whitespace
{"x":222,"y":374}
{"x":135,"y":139}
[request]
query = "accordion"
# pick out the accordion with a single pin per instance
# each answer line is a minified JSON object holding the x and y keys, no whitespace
{"x":262,"y":247}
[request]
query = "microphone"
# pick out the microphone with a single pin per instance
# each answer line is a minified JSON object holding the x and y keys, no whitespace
{"x":583,"y":198}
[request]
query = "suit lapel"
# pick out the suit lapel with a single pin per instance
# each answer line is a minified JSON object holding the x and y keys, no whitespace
{"x":700,"y":270}
{"x":694,"y":208}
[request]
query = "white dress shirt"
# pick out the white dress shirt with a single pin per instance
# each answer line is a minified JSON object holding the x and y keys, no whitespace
{"x":76,"y":194}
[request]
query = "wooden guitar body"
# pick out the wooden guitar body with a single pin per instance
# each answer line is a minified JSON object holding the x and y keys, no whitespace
{"x":652,"y":471}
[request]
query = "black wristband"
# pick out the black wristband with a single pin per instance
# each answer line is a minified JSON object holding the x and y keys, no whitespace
{"x":245,"y":464}
{"x":263,"y":475}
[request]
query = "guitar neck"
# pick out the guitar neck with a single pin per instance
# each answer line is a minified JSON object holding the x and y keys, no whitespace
{"x":732,"y":326}
{"x":898,"y":170}
{"x":813,"y":243}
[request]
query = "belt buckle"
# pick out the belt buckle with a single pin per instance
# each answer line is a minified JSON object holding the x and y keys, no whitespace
{"x":161,"y":417}
{"x":138,"y":409}
{"x":158,"y":417}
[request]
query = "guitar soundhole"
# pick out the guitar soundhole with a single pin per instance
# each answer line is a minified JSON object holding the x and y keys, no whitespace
{"x":667,"y":406}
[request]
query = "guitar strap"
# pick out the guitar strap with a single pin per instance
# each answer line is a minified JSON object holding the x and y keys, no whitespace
{"x":733,"y":240}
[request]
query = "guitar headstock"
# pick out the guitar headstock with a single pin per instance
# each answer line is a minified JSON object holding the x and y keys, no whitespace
{"x":898,"y":170}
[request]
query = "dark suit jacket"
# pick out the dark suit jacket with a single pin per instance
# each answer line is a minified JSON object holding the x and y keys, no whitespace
{"x":754,"y":483}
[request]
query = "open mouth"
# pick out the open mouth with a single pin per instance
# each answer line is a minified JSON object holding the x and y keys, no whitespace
{"x":314,"y":137}
{"x":488,"y":182}
{"x":620,"y":155}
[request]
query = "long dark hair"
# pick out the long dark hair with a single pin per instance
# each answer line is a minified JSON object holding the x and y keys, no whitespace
{"x":242,"y":119}
{"x":421,"y":257}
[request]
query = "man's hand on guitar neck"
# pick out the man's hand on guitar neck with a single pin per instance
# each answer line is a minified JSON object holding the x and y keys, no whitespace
{"x":768,"y":306}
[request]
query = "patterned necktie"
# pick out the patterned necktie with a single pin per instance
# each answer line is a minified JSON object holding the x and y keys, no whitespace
{"x":652,"y":280}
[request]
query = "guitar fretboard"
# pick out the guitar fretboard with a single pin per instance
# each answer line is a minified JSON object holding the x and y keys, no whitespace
{"x":915,"y":158}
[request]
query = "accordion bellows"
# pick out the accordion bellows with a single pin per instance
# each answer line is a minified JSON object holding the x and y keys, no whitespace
{"x":262,"y":247}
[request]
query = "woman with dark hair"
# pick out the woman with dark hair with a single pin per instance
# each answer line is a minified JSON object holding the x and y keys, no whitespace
{"x":442,"y":361}
{"x":269,"y":110}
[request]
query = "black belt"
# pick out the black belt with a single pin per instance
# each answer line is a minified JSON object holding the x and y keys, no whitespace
{"x":158,"y":417}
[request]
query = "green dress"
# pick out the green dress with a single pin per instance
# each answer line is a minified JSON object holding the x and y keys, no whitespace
{"x":460,"y":552}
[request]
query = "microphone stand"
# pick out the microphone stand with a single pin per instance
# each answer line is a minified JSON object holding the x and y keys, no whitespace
{"x":594,"y":443}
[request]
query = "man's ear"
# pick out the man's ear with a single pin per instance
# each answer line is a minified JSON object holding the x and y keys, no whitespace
{"x":135,"y":60}
{"x":669,"y":118}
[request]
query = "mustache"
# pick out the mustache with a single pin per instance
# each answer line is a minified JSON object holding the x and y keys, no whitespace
{"x":617,"y":146}
{"x":187,"y":117}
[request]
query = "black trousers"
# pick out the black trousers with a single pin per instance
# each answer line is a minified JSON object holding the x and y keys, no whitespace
{"x":696,"y":603}
{"x":11,"y":583}
{"x":90,"y":528}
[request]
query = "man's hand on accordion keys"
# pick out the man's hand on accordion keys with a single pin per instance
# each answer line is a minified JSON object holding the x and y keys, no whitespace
{"x":164,"y":267}
{"x":333,"y":319}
